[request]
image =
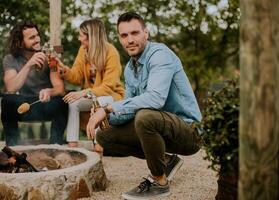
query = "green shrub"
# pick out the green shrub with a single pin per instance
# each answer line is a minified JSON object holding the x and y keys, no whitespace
{"x":220,"y":126}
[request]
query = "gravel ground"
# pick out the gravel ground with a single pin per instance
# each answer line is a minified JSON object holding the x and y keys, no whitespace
{"x":194,"y":181}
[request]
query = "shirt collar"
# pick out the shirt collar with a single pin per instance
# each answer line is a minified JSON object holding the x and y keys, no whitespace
{"x":144,"y":53}
{"x":142,"y":56}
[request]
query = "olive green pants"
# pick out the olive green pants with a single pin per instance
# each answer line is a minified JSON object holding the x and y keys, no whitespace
{"x":150,"y":135}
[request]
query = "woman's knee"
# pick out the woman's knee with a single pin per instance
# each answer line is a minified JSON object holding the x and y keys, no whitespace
{"x":74,"y":106}
{"x":105,"y":100}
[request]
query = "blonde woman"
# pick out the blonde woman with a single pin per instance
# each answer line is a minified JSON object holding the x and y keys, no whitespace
{"x":97,"y":69}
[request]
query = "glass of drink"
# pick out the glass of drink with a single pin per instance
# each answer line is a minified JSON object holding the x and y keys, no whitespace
{"x":51,"y":55}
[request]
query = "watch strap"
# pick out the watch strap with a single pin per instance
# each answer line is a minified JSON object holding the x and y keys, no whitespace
{"x":105,"y":107}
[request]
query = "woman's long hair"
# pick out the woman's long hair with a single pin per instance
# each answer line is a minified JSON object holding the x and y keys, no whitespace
{"x":97,"y":38}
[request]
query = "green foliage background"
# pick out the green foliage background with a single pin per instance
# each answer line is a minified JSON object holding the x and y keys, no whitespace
{"x":202,"y":32}
{"x":220,"y":126}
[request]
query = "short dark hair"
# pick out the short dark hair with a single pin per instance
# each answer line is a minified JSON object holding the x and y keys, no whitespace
{"x":128,"y":16}
{"x":16,"y":36}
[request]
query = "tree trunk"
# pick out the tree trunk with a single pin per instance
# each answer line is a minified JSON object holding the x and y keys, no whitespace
{"x":259,"y":100}
{"x":227,"y":185}
{"x":55,"y":24}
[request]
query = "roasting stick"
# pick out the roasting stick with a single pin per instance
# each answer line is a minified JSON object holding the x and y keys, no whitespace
{"x":23,"y":108}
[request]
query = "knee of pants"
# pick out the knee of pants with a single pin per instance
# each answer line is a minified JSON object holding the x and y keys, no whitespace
{"x":74,"y":106}
{"x":9,"y":112}
{"x":10,"y":103}
{"x":146,"y":119}
{"x":106,"y":138}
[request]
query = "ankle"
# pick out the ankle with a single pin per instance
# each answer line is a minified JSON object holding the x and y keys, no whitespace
{"x":98,"y":149}
{"x":73,"y":144}
{"x":162,"y":180}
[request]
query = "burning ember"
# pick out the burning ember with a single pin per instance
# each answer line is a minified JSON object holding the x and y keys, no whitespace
{"x":13,"y":162}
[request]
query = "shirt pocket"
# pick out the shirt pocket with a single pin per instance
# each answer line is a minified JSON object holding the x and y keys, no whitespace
{"x":142,"y":87}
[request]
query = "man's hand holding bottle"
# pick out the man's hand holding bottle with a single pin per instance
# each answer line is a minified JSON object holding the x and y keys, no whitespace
{"x":37,"y":60}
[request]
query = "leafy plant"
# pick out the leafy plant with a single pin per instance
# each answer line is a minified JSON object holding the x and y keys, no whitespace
{"x":220,"y":126}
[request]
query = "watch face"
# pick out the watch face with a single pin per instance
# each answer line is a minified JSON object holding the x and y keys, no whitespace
{"x":88,"y":95}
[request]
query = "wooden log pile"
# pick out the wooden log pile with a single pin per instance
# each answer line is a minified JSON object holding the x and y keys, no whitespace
{"x":14,"y":162}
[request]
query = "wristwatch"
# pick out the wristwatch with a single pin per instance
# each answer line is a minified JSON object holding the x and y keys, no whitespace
{"x":88,"y":93}
{"x":105,"y":107}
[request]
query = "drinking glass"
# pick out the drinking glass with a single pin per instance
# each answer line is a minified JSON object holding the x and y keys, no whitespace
{"x":51,"y":55}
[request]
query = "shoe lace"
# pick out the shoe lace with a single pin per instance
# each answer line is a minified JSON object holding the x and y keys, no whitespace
{"x":145,"y":185}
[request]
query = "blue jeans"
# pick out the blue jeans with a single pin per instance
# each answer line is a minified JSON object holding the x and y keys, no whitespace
{"x":55,"y":111}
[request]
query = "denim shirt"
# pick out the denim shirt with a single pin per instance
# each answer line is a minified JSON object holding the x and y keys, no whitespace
{"x":159,"y":83}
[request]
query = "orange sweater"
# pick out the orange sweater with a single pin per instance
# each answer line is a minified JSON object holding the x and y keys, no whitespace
{"x":106,"y":84}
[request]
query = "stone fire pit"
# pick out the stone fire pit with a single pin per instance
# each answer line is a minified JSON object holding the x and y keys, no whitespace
{"x":80,"y":173}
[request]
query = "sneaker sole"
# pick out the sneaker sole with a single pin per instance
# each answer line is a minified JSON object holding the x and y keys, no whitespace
{"x":127,"y":197}
{"x":175,"y":169}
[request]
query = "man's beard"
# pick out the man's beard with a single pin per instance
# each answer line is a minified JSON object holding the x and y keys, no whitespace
{"x":31,"y":49}
{"x":133,"y":54}
{"x":138,"y":53}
